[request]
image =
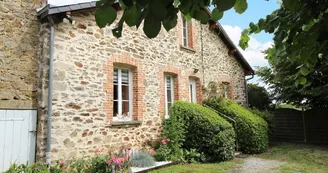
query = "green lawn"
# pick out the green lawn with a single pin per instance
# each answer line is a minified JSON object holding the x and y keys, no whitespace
{"x":197,"y":168}
{"x":297,"y":158}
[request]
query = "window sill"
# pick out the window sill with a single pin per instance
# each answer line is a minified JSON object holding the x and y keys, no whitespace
{"x":124,"y":124}
{"x":187,"y":49}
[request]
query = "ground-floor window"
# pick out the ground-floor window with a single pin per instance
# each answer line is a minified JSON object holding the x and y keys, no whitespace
{"x":169,"y":93}
{"x":192,"y":90}
{"x":122,"y":103}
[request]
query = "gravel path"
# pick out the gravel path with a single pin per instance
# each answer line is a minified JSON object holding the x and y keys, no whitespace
{"x":257,"y":165}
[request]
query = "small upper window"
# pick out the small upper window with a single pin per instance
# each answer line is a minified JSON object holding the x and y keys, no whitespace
{"x":184,"y":32}
{"x":122,"y":103}
{"x":169,"y":93}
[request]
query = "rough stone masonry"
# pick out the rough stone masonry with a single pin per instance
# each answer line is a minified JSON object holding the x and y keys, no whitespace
{"x":84,"y":58}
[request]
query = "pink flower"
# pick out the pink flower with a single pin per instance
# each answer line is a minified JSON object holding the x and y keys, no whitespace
{"x":126,"y":158}
{"x":164,"y":142}
{"x":153,"y":152}
{"x":96,"y":150}
{"x":119,"y":160}
{"x":108,"y":161}
{"x":61,"y":164}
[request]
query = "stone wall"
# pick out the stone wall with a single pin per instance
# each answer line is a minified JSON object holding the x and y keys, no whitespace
{"x":18,"y":54}
{"x":84,"y":58}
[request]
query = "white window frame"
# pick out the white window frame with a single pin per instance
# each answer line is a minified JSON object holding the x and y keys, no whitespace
{"x":119,"y":99}
{"x":192,"y":92}
{"x":172,"y":94}
{"x":184,"y":27}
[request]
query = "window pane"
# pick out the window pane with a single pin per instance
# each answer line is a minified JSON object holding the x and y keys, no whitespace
{"x":191,"y":95}
{"x":125,"y":92}
{"x":169,"y":97}
{"x":115,"y":76}
{"x":115,"y":107}
{"x":125,"y":108}
{"x":168,"y":83}
{"x":125,"y":76}
{"x":115,"y":92}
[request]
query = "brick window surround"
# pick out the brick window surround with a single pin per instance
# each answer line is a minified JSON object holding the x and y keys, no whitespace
{"x":199,"y":90}
{"x":176,"y":74}
{"x":191,"y":33}
{"x":138,"y":89}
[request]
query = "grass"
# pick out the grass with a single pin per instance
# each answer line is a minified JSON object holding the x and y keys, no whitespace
{"x":296,"y":158}
{"x":299,"y":158}
{"x":198,"y":168}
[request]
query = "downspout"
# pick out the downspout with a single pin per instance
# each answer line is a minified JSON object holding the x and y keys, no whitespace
{"x":246,"y":89}
{"x":50,"y":87}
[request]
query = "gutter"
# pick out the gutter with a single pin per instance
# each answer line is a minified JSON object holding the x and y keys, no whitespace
{"x":50,"y":88}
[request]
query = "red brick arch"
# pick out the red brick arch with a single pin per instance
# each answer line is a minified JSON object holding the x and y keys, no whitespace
{"x":125,"y":59}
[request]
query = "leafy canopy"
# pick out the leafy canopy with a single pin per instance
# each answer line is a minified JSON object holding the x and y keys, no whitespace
{"x":258,"y":97}
{"x":300,"y":29}
{"x":158,"y":13}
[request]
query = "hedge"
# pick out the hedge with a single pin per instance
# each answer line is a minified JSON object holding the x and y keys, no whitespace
{"x":192,"y":126}
{"x":251,"y":130}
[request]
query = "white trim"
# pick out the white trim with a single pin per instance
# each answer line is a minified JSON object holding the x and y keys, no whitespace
{"x":165,"y":93}
{"x":192,"y":93}
{"x":119,"y":90}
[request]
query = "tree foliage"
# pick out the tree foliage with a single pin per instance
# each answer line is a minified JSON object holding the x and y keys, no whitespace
{"x":158,"y":13}
{"x":258,"y":97}
{"x":300,"y":29}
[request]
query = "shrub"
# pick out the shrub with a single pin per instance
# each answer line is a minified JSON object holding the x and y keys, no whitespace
{"x":251,"y":130}
{"x":193,"y":126}
{"x":267,"y":116}
{"x":142,"y":159}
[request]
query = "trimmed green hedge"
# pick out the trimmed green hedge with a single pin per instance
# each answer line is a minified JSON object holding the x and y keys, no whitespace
{"x":192,"y":126}
{"x":251,"y":130}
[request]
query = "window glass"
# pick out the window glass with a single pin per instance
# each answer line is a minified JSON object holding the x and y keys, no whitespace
{"x":169,"y":96}
{"x":122,"y":94}
{"x":184,"y":32}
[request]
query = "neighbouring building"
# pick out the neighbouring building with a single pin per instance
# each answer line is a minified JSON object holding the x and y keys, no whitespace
{"x":107,"y":92}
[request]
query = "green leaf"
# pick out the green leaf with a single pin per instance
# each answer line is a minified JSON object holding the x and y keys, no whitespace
{"x":253,"y":27}
{"x":105,"y":15}
{"x":176,"y":3}
{"x":170,"y":23}
{"x":123,"y":6}
{"x":302,"y":80}
{"x":291,"y":5}
{"x":241,"y":6}
{"x":132,"y":15}
{"x":128,"y":3}
{"x":202,"y":16}
{"x":152,"y":26}
{"x":185,"y":6}
{"x":142,"y":2}
{"x":224,"y":5}
{"x":304,"y":71}
{"x":158,"y":9}
{"x":216,"y":14}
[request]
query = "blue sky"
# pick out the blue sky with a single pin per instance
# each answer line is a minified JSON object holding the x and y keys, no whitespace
{"x":234,"y":23}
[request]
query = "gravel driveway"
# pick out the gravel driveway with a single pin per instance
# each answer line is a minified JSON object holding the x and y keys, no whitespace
{"x":257,"y":165}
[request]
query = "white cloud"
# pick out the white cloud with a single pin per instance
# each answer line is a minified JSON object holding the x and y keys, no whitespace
{"x":253,"y":53}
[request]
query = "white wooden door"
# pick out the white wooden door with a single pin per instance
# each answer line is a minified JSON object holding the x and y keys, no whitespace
{"x":17,"y":137}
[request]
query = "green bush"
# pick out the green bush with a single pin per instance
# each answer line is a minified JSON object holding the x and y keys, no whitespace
{"x":267,"y":116}
{"x":193,"y":126}
{"x":251,"y":130}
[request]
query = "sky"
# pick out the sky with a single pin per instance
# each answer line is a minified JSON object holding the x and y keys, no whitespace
{"x":234,"y":23}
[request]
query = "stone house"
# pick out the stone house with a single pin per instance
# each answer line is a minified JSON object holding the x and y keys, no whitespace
{"x":105,"y":92}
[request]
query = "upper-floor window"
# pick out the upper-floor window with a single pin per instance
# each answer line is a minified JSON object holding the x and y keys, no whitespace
{"x":169,"y":93}
{"x":192,"y":90}
{"x":122,"y":103}
{"x":184,"y":32}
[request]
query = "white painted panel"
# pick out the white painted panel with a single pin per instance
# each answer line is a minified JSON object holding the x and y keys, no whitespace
{"x":17,"y":143}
